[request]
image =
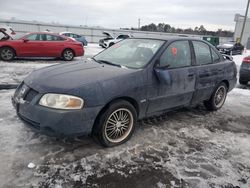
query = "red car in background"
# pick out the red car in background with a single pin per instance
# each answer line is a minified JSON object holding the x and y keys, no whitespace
{"x":40,"y":44}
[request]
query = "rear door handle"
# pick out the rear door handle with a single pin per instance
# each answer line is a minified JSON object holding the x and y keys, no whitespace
{"x":190,"y":75}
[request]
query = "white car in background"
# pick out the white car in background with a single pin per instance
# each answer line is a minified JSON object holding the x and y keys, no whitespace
{"x":6,"y":32}
{"x":110,"y":40}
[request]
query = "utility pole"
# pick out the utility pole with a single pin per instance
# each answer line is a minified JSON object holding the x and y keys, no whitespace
{"x":244,"y":22}
{"x":139,"y":23}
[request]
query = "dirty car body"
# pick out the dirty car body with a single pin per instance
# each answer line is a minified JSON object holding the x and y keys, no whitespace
{"x":151,"y":75}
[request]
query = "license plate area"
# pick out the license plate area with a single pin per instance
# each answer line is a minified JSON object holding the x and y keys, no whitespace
{"x":19,"y":95}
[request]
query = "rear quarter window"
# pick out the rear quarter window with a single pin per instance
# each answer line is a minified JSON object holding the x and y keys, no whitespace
{"x":202,"y":53}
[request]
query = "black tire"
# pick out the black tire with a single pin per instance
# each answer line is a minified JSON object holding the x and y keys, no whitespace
{"x":217,"y":97}
{"x":7,"y":54}
{"x":106,"y":127}
{"x":68,"y":55}
{"x":111,"y":44}
{"x":243,"y":82}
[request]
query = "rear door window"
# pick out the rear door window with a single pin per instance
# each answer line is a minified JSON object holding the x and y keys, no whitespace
{"x":76,"y":36}
{"x":202,"y":53}
{"x":53,"y":38}
{"x":176,"y":55}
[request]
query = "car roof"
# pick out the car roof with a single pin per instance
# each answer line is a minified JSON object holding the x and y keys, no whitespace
{"x":46,"y":32}
{"x":65,"y":32}
{"x":169,"y":38}
{"x":43,"y":32}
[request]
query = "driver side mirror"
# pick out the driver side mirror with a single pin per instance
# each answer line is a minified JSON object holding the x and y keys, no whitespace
{"x":163,"y":75}
{"x":25,"y":40}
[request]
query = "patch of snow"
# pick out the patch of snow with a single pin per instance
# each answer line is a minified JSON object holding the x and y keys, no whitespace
{"x":31,"y":165}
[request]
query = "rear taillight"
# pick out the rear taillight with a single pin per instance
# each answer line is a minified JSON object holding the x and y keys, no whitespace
{"x":246,"y":60}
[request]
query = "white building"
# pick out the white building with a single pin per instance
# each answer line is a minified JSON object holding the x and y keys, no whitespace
{"x":239,"y":19}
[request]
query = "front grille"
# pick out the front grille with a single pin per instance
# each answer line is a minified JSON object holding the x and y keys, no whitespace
{"x":24,"y":92}
{"x":30,"y":95}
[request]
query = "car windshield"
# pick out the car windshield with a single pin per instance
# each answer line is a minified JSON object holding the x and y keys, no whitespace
{"x":131,"y":53}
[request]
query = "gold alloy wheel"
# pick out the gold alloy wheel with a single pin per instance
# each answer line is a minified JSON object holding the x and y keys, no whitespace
{"x":119,"y":125}
{"x":220,"y":96}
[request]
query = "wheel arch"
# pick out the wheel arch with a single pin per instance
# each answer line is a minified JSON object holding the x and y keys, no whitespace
{"x":226,"y":82}
{"x":68,"y":48}
{"x":8,"y":46}
{"x":132,"y":101}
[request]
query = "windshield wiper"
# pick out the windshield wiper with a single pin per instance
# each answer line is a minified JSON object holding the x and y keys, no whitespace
{"x":107,"y":62}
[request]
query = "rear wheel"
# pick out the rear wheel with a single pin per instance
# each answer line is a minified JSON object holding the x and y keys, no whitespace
{"x":218,"y":97}
{"x":116,"y":125}
{"x":7,"y":54}
{"x":68,"y":55}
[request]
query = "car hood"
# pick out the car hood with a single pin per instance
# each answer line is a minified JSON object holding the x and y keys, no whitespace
{"x":65,"y":77}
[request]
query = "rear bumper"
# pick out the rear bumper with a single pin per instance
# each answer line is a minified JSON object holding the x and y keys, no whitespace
{"x":79,"y":51}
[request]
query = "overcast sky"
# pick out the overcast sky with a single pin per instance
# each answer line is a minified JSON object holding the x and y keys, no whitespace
{"x":213,"y":14}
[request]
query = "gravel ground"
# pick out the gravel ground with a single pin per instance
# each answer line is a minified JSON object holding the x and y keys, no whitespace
{"x":186,"y":148}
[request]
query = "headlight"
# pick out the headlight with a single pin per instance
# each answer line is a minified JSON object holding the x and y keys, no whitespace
{"x":60,"y":101}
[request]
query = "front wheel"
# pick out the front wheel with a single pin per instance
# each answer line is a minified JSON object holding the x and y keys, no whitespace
{"x":68,"y":55}
{"x":7,"y":54}
{"x":218,"y":97}
{"x":116,"y":125}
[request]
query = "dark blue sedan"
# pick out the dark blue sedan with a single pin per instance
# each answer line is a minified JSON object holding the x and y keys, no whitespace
{"x":134,"y":79}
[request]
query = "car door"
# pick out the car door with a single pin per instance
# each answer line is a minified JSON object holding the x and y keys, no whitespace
{"x":173,"y":79}
{"x":32,"y":46}
{"x":54,"y":45}
{"x":209,"y":70}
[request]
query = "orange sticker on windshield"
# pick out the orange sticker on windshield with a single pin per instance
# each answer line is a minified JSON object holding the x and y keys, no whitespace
{"x":174,"y":51}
